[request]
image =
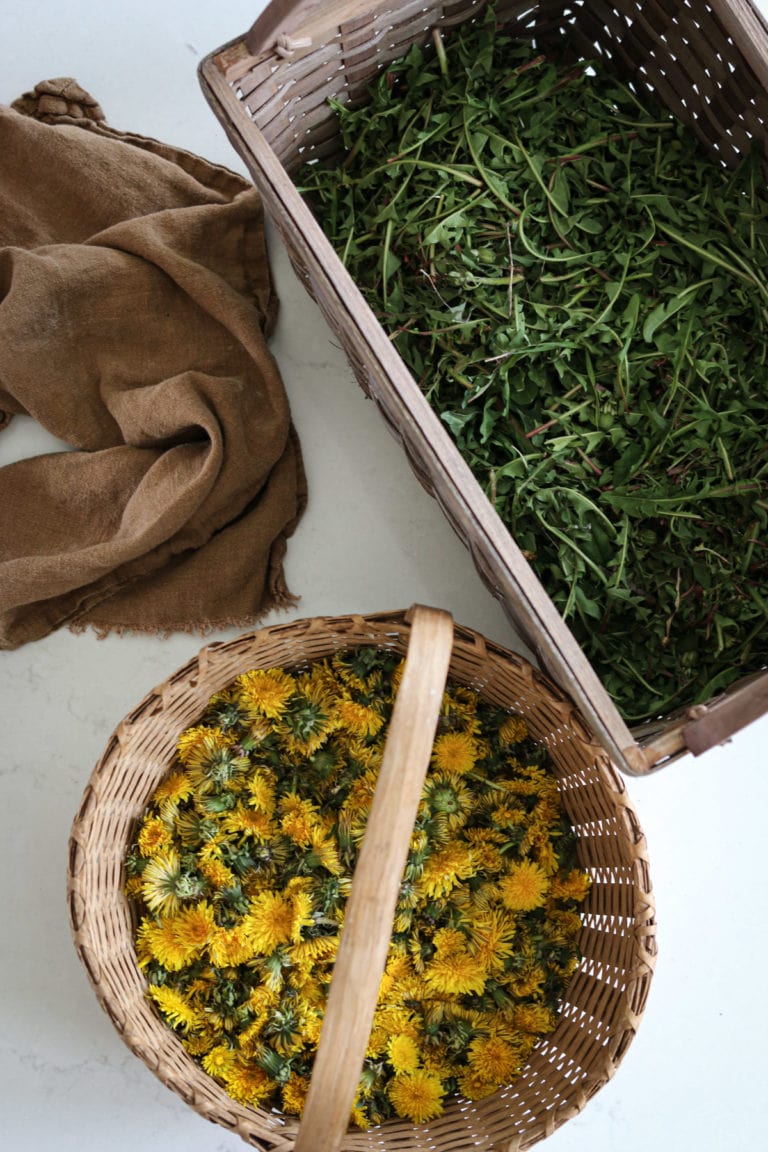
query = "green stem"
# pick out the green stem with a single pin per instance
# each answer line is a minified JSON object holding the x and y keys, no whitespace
{"x":446,"y":169}
{"x":713,"y":258}
{"x":487,"y":179}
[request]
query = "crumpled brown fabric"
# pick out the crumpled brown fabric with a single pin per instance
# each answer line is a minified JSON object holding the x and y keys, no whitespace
{"x":135,"y":303}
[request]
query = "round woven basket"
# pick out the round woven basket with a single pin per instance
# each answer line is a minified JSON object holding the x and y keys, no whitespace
{"x":604,"y":1001}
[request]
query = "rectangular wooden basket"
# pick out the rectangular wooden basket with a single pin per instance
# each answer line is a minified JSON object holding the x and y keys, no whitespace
{"x":707,"y":60}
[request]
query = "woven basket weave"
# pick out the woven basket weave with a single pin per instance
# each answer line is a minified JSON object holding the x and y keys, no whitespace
{"x":605,"y":999}
{"x":706,"y":60}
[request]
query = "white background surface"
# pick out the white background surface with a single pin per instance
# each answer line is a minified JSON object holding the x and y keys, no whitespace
{"x":694,"y":1078}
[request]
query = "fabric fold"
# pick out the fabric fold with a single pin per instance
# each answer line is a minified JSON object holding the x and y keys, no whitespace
{"x":135,"y":306}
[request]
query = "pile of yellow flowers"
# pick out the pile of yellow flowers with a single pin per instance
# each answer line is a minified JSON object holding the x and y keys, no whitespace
{"x":243,"y":862}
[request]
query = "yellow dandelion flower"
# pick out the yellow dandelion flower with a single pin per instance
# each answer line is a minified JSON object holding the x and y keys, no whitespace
{"x":449,"y":941}
{"x":508,"y":815}
{"x":302,"y":909}
{"x":492,"y":938}
{"x":358,"y":802}
{"x":229,"y":947}
{"x":358,"y":719}
{"x":252,"y":821}
{"x":259,"y":728}
{"x":528,"y":982}
{"x":534,"y":1018}
{"x":472,"y":1085}
{"x":272,"y":920}
{"x":403,"y":920}
{"x":295,"y":1094}
{"x":573,"y":886}
{"x":265,"y":692}
{"x":358,"y":1118}
{"x":261,"y":786}
{"x":455,"y":752}
{"x":524,"y":887}
{"x":367,"y":755}
{"x":144,"y":954}
{"x":251,"y":1038}
{"x":221,"y":701}
{"x":454,"y":970}
{"x":377,"y":1043}
{"x":247,"y":1083}
{"x":210,"y":849}
{"x":214,"y":761}
{"x":159,"y":882}
{"x":444,"y":869}
{"x":563,"y":926}
{"x":171,"y":791}
{"x":154,"y":837}
{"x":486,"y":848}
{"x":193,"y":926}
{"x":440,"y":1011}
{"x":436,"y":1059}
{"x":514,"y":730}
{"x":398,"y":968}
{"x":447,"y":796}
{"x":403,"y":1053}
{"x":219,"y":1061}
{"x":325,"y":851}
{"x":485,"y":836}
{"x":493,"y":1059}
{"x":254,"y":882}
{"x":394,"y":1018}
{"x":297,"y":748}
{"x":315,"y":950}
{"x":198,"y":1043}
{"x":175,"y":1007}
{"x":261,"y":1000}
{"x":299,"y":819}
{"x":398,"y":963}
{"x":132,"y":887}
{"x":201,"y":741}
{"x":417,"y":1096}
{"x":216,"y":872}
{"x":311,"y":1026}
{"x":460,"y":705}
{"x":166,"y":942}
{"x":544,"y":852}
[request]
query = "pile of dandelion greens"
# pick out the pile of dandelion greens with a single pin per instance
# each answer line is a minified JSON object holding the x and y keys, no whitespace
{"x":243,"y":862}
{"x":582,"y":294}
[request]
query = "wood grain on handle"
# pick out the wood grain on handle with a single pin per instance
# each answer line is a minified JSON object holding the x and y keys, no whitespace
{"x":370,"y":909}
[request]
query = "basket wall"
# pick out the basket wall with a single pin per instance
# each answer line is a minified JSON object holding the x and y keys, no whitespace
{"x":708,"y":62}
{"x":608,"y":992}
{"x":682,"y":50}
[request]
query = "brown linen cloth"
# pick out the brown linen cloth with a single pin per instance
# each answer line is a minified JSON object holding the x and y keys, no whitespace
{"x":135,"y":300}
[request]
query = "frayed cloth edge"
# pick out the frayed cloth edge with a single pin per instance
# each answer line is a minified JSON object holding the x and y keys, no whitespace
{"x":202,"y":628}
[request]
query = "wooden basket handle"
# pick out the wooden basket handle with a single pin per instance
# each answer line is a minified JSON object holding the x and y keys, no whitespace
{"x":370,"y":911}
{"x":715,"y":723}
{"x":704,"y":726}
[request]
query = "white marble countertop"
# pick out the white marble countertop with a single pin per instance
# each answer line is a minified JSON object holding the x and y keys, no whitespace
{"x":695,"y":1076}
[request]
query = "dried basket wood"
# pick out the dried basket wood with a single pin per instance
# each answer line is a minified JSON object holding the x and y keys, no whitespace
{"x":605,"y":999}
{"x":707,"y":60}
